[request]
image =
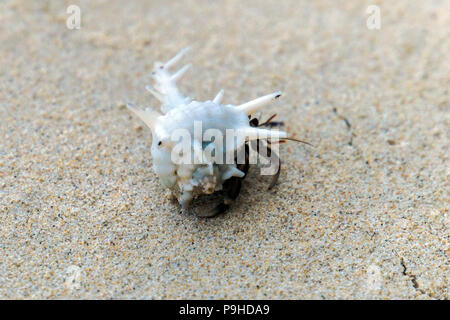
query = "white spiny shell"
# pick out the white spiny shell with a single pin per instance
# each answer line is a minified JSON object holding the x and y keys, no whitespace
{"x":180,"y":112}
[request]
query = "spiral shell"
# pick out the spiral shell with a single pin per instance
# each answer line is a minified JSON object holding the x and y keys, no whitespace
{"x":203,"y":174}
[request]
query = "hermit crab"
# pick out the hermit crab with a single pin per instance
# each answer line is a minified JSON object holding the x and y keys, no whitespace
{"x":202,"y":147}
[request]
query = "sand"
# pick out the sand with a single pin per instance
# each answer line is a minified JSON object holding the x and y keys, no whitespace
{"x":361,"y":215}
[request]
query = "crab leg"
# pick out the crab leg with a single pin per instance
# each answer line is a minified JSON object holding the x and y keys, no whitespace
{"x":277,"y":174}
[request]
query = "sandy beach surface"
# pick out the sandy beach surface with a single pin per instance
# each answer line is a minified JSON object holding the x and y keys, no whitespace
{"x":363,"y":214}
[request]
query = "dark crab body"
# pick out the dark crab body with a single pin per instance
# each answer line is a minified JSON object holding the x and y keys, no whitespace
{"x":232,"y":187}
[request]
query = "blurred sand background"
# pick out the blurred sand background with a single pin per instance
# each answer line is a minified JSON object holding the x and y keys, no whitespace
{"x":363,"y":214}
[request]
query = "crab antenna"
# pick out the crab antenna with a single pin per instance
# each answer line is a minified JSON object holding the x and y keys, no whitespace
{"x":156,"y":94}
{"x":148,"y":116}
{"x":219,"y":96}
{"x":177,"y":75}
{"x":175,"y":59}
{"x":254,"y":105}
